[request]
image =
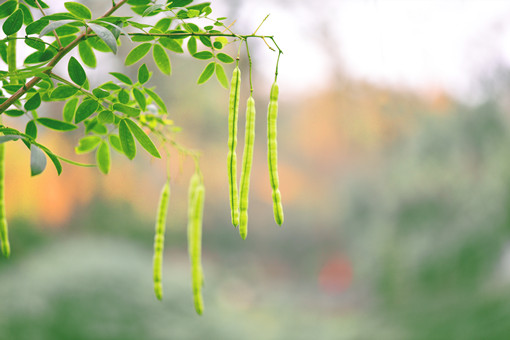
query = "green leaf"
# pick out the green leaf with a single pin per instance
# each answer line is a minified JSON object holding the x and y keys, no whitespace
{"x":157,"y":99}
{"x":205,"y":40}
{"x":130,"y":111}
{"x":221,"y":76}
{"x":126,"y":140}
{"x":179,"y":3}
{"x":27,"y":16}
{"x":140,"y":98}
{"x":97,"y":44}
{"x":87,"y":144}
{"x":13,"y":23}
{"x":224,"y":58}
{"x":106,"y":117}
{"x":69,"y":110}
{"x":36,"y":26}
{"x":143,"y":74}
{"x":7,"y":8}
{"x":192,"y":45}
{"x":87,"y":54}
{"x":31,"y":129}
{"x":105,"y":35}
{"x":63,"y":92}
{"x":54,"y":159}
{"x":171,"y":44}
{"x":56,"y":124}
{"x":53,"y":26}
{"x":76,"y":71}
{"x":137,"y":53}
{"x":206,"y":73}
{"x":161,"y":59}
{"x":37,"y":44}
{"x":103,"y":158}
{"x":123,"y":96}
{"x":14,"y":113}
{"x":33,"y":103}
{"x":122,"y":77}
{"x":142,"y":138}
{"x":37,"y":160}
{"x":109,"y":86}
{"x":78,"y":10}
{"x":85,"y":110}
{"x":151,"y":9}
{"x":100,"y":93}
{"x":115,"y":143}
{"x":163,"y":24}
{"x":204,"y":55}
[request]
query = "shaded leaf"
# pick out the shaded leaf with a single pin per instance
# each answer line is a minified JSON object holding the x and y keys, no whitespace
{"x":54,"y":25}
{"x":37,"y":160}
{"x":105,"y":35}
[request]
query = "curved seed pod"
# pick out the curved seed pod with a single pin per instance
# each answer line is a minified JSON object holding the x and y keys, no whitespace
{"x":4,"y":233}
{"x":233,"y":109}
{"x":249,"y":139}
{"x":159,"y":239}
{"x":272,"y":154}
{"x":195,"y":210}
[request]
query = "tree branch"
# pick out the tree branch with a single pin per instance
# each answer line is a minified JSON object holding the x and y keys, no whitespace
{"x":18,"y":94}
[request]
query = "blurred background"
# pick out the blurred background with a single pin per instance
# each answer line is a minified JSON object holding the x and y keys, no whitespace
{"x":394,"y":161}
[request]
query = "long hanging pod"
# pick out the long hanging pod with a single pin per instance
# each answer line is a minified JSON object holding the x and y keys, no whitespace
{"x":249,"y":139}
{"x":4,"y":234}
{"x":159,"y":239}
{"x":196,"y":193}
{"x":272,"y":154}
{"x":235,"y":88}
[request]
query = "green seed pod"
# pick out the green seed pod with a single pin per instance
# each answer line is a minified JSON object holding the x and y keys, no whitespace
{"x":249,"y":139}
{"x":272,"y":154}
{"x":195,"y":211}
{"x":159,"y":239}
{"x":4,"y":233}
{"x":233,"y":109}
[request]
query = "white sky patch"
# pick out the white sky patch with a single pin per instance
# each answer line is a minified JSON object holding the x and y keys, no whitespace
{"x":422,"y":44}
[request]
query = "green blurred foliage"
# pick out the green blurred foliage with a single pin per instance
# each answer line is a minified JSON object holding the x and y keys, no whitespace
{"x":429,"y":231}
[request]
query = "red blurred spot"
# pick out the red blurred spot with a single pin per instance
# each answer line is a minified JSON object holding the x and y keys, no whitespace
{"x":336,"y":275}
